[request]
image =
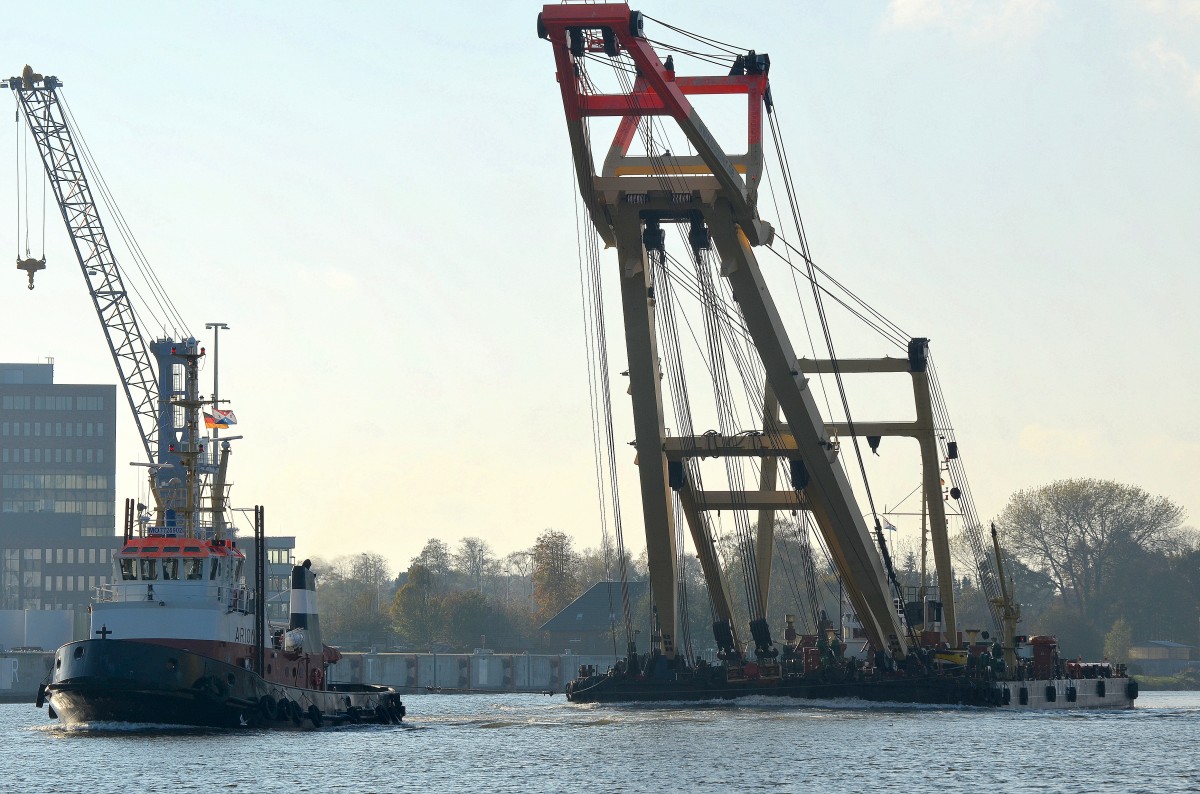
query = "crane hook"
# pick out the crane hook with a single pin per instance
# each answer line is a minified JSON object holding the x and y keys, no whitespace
{"x":31,"y":266}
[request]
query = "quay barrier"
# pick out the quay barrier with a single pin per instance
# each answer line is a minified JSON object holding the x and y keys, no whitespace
{"x":481,"y":671}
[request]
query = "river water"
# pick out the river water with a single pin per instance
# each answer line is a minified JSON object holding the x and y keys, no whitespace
{"x":523,"y":743}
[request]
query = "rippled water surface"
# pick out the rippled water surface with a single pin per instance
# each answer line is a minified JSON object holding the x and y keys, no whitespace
{"x":538,"y":743}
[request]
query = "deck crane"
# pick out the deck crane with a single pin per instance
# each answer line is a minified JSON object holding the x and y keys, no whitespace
{"x":159,"y":376}
{"x":628,"y":200}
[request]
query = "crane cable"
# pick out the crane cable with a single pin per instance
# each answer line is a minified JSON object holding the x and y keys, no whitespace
{"x":171,"y":319}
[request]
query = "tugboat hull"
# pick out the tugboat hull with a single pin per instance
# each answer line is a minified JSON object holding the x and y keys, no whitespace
{"x":140,"y":682}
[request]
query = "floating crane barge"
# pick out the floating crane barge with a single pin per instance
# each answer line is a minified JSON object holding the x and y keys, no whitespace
{"x":912,"y":653}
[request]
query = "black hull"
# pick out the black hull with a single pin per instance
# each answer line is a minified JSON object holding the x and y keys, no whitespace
{"x":134,"y":682}
{"x":932,"y":690}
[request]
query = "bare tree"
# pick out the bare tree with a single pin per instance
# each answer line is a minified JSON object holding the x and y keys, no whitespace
{"x":1076,"y":531}
{"x":475,"y":559}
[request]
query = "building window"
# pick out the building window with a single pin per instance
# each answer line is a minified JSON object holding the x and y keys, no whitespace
{"x":70,"y":556}
{"x":81,"y":584}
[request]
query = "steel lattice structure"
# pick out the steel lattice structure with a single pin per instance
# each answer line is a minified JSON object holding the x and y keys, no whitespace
{"x":134,"y":362}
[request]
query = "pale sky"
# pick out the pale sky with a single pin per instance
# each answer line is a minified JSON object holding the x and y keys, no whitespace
{"x":378,"y":199}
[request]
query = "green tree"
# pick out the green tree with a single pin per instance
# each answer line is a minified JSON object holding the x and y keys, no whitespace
{"x":469,"y":618}
{"x":1117,"y":641}
{"x":555,"y":573}
{"x":416,"y":609}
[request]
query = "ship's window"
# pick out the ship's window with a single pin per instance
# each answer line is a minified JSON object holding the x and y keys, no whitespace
{"x":148,"y":568}
{"x":128,"y":571}
{"x":237,"y":569}
{"x":194,"y":569}
{"x":150,"y":549}
{"x":212,"y":572}
{"x":170,"y":568}
{"x":171,"y":549}
{"x":186,"y":549}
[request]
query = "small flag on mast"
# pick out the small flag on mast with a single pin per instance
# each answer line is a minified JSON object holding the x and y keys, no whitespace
{"x":888,"y":525}
{"x":219,"y":419}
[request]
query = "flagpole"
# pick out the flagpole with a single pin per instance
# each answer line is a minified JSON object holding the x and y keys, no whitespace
{"x":216,"y":329}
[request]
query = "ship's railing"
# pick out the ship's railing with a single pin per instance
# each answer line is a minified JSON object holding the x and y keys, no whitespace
{"x":238,"y":598}
{"x":202,"y":532}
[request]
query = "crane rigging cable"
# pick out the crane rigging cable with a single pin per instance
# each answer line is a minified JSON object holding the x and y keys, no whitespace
{"x":168,"y":318}
{"x":595,"y":335}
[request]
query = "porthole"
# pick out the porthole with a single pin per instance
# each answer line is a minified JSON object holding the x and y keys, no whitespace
{"x":79,"y":652}
{"x":229,"y":678}
{"x":172,"y":664}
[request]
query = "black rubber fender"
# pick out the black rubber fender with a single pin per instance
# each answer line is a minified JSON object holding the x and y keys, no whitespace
{"x":1072,"y":694}
{"x":295,"y":712}
{"x":1131,"y":689}
{"x":1051,"y":693}
{"x":1006,"y":697}
{"x":1100,"y":688}
{"x":1023,"y":696}
{"x":41,"y":696}
{"x":268,"y":708}
{"x":314,"y":715}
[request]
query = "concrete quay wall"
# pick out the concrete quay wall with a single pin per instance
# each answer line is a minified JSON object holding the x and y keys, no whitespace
{"x":21,"y":673}
{"x":466,"y":672}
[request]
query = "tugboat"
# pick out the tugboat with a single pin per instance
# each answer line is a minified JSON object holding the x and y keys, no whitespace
{"x":177,"y":637}
{"x":663,"y":167}
{"x":176,"y":646}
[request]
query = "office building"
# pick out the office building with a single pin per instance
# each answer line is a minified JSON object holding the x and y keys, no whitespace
{"x":57,"y":489}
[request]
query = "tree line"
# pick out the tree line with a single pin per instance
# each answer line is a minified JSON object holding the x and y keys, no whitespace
{"x":1098,"y":563}
{"x":456,"y":599}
